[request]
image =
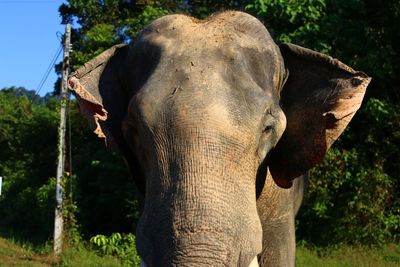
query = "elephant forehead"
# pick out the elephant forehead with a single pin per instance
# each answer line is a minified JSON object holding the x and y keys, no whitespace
{"x":233,"y":46}
{"x":224,"y":32}
{"x":204,"y":98}
{"x":225,"y":69}
{"x":226,"y":25}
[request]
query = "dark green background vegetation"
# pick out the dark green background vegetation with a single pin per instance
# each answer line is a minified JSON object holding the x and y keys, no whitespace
{"x":353,"y":196}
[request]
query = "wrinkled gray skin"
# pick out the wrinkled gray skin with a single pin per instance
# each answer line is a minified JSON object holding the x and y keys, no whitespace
{"x":216,"y":121}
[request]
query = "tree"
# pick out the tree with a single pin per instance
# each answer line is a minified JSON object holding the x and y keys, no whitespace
{"x":28,"y":136}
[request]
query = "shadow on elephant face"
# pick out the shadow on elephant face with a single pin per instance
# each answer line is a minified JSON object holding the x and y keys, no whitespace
{"x":201,"y":112}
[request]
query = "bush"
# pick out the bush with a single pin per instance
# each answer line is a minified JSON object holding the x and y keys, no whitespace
{"x":348,"y":203}
{"x":122,"y":246}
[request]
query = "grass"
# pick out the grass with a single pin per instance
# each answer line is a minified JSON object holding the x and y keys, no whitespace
{"x":85,"y":258}
{"x":348,"y":256}
{"x":12,"y":254}
{"x":24,"y":255}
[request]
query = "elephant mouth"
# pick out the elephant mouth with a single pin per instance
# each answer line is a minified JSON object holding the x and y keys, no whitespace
{"x":200,"y":245}
{"x":254,"y":263}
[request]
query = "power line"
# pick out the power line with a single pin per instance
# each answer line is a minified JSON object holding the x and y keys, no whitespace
{"x":49,"y":68}
{"x":69,"y":147}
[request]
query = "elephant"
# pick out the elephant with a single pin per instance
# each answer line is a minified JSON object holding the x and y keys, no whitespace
{"x":219,"y":126}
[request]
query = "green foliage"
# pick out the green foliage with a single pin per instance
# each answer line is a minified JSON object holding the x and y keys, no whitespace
{"x":24,"y":255}
{"x":204,"y":8}
{"x":30,"y":94}
{"x":100,"y":195}
{"x":301,"y":21}
{"x":84,"y":257}
{"x":27,"y":163}
{"x":347,"y":202}
{"x":383,"y":139}
{"x":122,"y":246}
{"x":135,"y":24}
{"x":72,"y":233}
{"x":105,"y":23}
{"x":348,"y":256}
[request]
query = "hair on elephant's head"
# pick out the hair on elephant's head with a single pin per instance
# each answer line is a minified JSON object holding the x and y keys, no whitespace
{"x":201,"y":110}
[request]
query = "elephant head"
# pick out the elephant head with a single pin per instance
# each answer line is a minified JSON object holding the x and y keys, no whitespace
{"x":201,"y":110}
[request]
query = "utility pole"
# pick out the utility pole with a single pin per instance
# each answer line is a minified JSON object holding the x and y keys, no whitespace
{"x":58,"y":220}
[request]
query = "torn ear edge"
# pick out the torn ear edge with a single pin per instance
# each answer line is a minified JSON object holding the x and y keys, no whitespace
{"x":93,"y":110}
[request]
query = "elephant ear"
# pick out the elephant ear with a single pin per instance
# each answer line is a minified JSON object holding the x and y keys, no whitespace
{"x":100,"y":95}
{"x":103,"y":98}
{"x":319,"y":98}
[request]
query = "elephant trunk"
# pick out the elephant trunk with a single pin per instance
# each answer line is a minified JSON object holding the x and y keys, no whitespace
{"x":200,"y":207}
{"x":200,"y":231}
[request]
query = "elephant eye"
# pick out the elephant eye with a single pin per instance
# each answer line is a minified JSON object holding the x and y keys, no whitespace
{"x":268,"y":123}
{"x":268,"y":129}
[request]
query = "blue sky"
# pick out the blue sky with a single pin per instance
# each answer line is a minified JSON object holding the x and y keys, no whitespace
{"x":28,"y":42}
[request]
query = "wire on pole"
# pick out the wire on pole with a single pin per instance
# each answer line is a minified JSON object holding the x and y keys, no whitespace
{"x":49,"y":68}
